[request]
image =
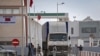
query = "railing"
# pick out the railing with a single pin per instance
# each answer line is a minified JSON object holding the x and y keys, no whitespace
{"x":89,"y":53}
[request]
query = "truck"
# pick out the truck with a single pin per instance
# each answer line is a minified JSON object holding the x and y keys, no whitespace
{"x":55,"y":39}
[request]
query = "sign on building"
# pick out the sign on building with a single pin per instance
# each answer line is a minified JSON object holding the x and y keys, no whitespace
{"x":7,"y":19}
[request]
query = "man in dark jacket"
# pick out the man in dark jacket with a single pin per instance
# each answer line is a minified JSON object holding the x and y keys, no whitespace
{"x":31,"y":49}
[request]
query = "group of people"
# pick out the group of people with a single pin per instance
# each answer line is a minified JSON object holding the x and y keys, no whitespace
{"x":34,"y":51}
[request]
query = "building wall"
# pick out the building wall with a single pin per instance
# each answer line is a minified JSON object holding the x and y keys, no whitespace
{"x":89,"y":24}
{"x":74,"y":34}
{"x":85,"y":32}
{"x":10,"y":2}
{"x":78,"y":34}
{"x":16,"y":30}
{"x":75,"y":26}
{"x":11,"y":29}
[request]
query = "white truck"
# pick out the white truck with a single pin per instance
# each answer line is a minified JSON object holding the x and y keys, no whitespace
{"x":55,"y":35}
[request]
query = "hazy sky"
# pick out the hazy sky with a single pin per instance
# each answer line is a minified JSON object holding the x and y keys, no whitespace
{"x":79,"y":8}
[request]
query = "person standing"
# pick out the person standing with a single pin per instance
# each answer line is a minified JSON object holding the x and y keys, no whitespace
{"x":39,"y":50}
{"x":54,"y":50}
{"x":31,"y":49}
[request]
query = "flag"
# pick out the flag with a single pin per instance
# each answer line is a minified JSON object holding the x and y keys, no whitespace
{"x":38,"y":17}
{"x":31,"y":2}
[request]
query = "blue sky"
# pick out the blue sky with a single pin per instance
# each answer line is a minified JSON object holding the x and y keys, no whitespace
{"x":79,"y":8}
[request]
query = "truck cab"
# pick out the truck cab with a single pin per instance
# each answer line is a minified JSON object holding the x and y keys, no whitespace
{"x":58,"y":40}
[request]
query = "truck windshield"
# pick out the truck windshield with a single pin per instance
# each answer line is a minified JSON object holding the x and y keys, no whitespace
{"x":58,"y":37}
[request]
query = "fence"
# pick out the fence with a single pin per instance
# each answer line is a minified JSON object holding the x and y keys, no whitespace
{"x":89,"y":53}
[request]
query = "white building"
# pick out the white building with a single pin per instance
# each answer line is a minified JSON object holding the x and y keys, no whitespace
{"x":83,"y":30}
{"x":73,"y":32}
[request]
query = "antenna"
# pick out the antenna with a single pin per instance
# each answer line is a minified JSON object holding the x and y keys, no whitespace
{"x":74,"y":17}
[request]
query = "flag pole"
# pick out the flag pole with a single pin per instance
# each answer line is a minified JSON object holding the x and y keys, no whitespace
{"x":29,"y":26}
{"x":37,"y":38}
{"x":35,"y":31}
{"x":30,"y":5}
{"x":22,"y":51}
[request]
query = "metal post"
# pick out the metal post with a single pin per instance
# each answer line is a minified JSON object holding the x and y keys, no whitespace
{"x":22,"y":49}
{"x":29,"y":27}
{"x":74,"y":17}
{"x":57,"y":11}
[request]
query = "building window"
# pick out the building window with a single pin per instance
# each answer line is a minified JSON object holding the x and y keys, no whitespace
{"x":15,"y":11}
{"x":95,"y":43}
{"x":89,"y":30}
{"x":72,"y":30}
{"x":1,"y":11}
{"x":86,"y":41}
{"x":9,"y":11}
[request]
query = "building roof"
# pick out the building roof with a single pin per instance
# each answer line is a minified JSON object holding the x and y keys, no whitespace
{"x":88,"y":18}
